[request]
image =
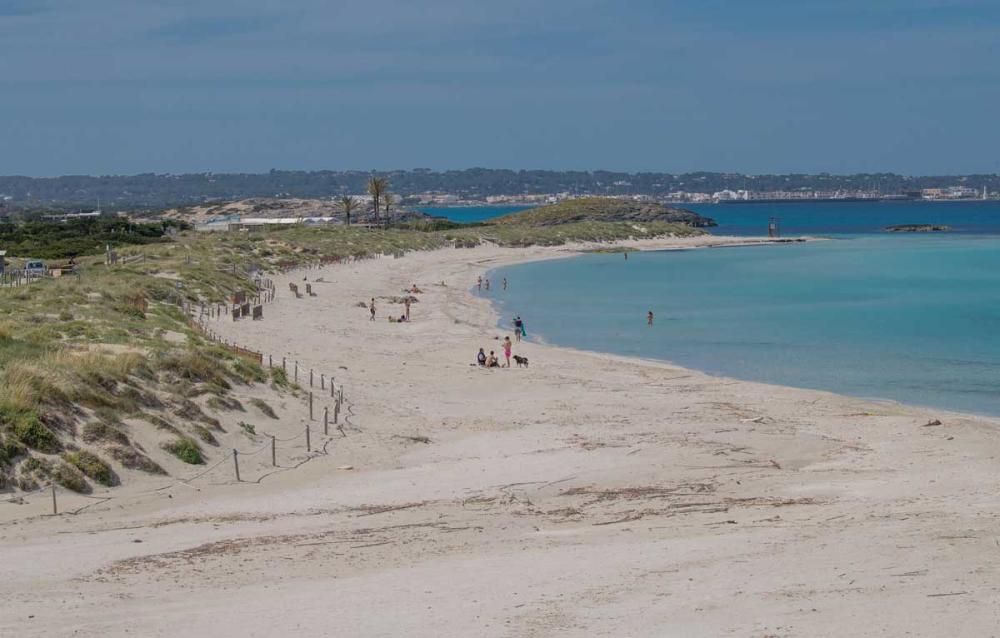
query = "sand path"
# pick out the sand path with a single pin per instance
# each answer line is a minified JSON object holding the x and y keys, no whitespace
{"x":587,"y":495}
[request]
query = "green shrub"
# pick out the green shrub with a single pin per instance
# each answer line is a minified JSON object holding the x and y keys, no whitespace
{"x":9,"y":450}
{"x":92,"y":466}
{"x":100,"y":432}
{"x":248,"y":371}
{"x":135,"y":460}
{"x":26,"y":428}
{"x":186,"y":450}
{"x":70,"y":478}
{"x":280,"y":377}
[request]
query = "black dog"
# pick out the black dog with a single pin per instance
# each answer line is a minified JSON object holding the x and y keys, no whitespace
{"x":521,"y":361}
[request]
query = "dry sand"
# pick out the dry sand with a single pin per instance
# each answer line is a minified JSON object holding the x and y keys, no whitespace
{"x":588,"y":495}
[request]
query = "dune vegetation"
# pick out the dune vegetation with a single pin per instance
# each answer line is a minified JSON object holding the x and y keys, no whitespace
{"x":87,"y":357}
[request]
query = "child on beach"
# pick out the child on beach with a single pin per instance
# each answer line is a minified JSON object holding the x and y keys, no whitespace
{"x":506,"y":350}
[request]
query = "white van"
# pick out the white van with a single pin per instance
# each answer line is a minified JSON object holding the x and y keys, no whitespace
{"x":34,"y":268}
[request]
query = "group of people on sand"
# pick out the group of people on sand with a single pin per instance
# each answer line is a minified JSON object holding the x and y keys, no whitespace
{"x":491,"y":360}
{"x":481,"y":282}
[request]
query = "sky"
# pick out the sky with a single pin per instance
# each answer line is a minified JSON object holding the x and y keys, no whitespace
{"x":752,"y":86}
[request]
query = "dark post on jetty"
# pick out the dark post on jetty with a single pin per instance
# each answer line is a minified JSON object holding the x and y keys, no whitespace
{"x":773,"y":227}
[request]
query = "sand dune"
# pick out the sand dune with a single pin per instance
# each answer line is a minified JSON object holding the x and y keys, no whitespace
{"x":587,"y":495}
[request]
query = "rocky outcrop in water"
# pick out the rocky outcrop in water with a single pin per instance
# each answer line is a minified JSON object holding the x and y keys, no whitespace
{"x":917,"y":228}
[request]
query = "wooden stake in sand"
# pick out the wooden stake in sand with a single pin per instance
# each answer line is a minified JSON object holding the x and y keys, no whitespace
{"x":55,"y":510}
{"x":326,"y":422}
{"x":274,"y":452}
{"x":236,"y":464}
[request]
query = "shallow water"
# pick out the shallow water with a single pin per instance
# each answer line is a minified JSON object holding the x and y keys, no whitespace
{"x":910,"y":318}
{"x":470,"y":214}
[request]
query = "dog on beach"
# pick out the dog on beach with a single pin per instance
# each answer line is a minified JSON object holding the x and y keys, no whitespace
{"x":521,"y":361}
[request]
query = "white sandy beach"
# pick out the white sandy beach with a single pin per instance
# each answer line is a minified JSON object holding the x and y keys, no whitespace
{"x":587,"y":495}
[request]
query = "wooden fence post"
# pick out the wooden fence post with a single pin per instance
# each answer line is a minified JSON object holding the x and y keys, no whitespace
{"x":310,"y":377}
{"x":236,"y":464}
{"x":310,"y":405}
{"x":296,"y":372}
{"x":326,"y":421}
{"x":283,"y":366}
{"x":55,"y":510}
{"x":322,"y":381}
{"x":274,"y":453}
{"x":308,"y":441}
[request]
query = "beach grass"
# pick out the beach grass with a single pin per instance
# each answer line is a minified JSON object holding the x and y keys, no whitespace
{"x":79,"y":352}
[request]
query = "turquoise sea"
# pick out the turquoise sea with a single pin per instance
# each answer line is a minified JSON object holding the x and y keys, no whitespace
{"x":912,"y":318}
{"x":470,"y":214}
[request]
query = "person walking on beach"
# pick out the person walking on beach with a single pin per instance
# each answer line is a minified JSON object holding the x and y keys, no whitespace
{"x":372,"y":309}
{"x":518,"y":328}
{"x":506,"y":350}
{"x":649,"y":318}
{"x":406,"y":302}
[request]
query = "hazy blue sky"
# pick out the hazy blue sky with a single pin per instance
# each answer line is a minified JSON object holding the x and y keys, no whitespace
{"x":131,"y":86}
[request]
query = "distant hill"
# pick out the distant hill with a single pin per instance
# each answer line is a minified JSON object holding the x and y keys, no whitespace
{"x":604,"y":209}
{"x":153,"y":191}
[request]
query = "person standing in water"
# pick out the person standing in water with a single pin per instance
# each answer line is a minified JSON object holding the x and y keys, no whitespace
{"x":479,"y":282}
{"x":626,"y":255}
{"x":505,"y":283}
{"x":649,"y":318}
{"x":518,"y":328}
{"x":487,"y":283}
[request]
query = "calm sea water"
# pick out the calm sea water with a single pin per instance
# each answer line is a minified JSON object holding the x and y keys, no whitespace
{"x":851,"y":218}
{"x":911,"y":318}
{"x":471,"y":214}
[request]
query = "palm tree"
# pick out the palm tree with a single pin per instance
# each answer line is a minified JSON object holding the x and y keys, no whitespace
{"x":388,"y":199}
{"x":377,"y":186}
{"x":348,"y":203}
